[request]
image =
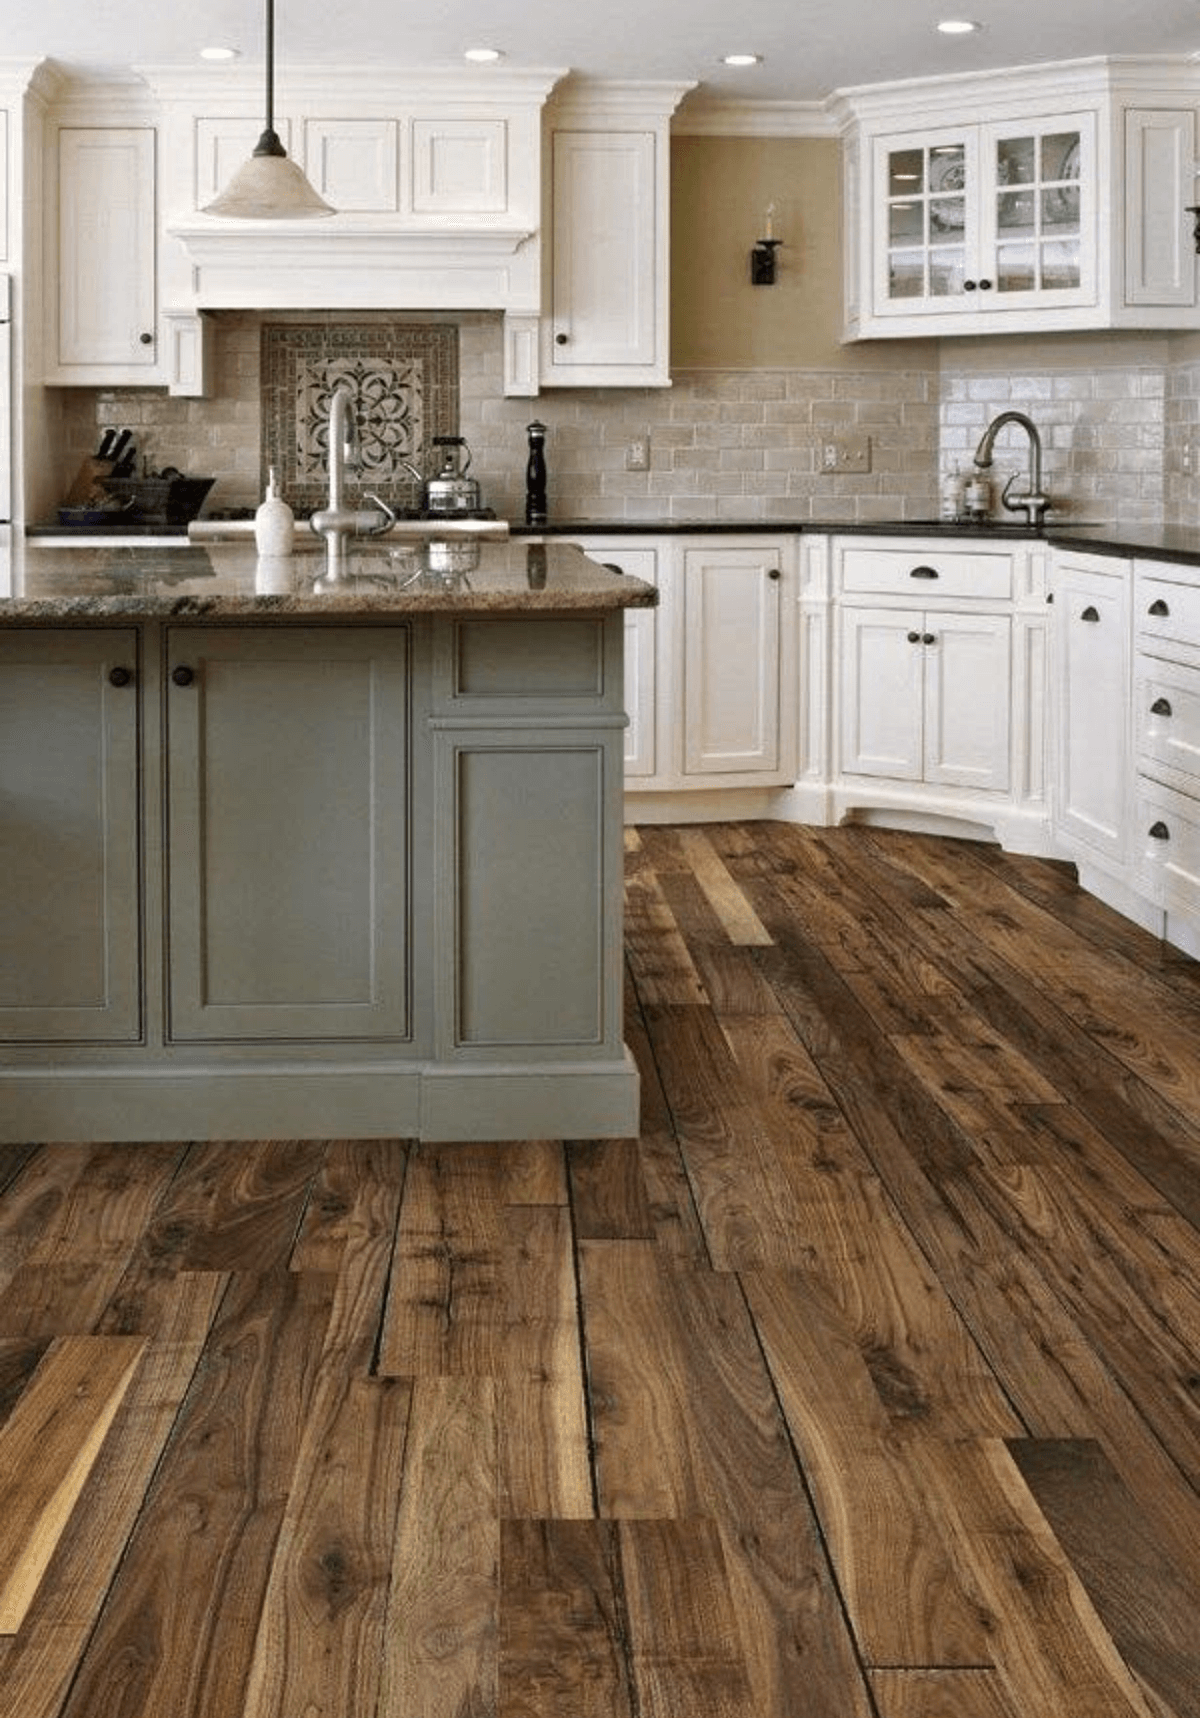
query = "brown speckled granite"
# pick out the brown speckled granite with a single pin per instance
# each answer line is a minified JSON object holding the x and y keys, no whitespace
{"x":45,"y":584}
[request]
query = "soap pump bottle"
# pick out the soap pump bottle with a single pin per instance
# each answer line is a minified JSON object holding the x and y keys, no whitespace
{"x":273,"y":522}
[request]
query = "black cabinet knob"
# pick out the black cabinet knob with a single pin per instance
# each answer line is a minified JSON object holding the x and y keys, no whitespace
{"x":773,"y":573}
{"x":1159,"y":831}
{"x":985,"y":286}
{"x":1161,"y":707}
{"x":914,"y":638}
{"x":928,"y":638}
{"x":922,"y":573}
{"x":561,"y":339}
{"x":968,"y":286}
{"x":1089,"y":614}
{"x":146,"y":339}
{"x":1159,"y":607}
{"x":183,"y":675}
{"x":120,"y":676}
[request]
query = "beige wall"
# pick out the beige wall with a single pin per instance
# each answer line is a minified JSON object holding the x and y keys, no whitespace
{"x":720,"y":189}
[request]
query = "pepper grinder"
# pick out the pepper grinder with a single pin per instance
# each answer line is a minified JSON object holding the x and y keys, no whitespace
{"x":535,"y":475}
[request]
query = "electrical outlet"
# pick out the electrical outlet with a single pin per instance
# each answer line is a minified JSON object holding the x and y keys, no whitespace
{"x":637,"y":454}
{"x":846,"y":453}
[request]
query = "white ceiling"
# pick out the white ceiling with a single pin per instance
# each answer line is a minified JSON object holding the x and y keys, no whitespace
{"x":809,"y":47}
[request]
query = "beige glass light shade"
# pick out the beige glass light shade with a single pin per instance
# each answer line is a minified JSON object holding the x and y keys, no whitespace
{"x":268,"y":188}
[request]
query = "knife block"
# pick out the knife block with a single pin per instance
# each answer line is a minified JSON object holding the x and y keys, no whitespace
{"x":88,"y":487}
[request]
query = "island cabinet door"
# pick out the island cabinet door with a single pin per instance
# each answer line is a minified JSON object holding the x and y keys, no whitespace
{"x":287,"y":880}
{"x":69,"y":840}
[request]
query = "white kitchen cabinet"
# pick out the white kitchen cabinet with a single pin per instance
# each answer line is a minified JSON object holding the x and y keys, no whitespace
{"x":105,"y":312}
{"x":70,"y":938}
{"x":730,"y":693}
{"x":605,"y":318}
{"x":1165,"y":846}
{"x":639,"y":560}
{"x":926,"y":696}
{"x":1052,"y":198}
{"x":1092,"y":684}
{"x":939,"y":683}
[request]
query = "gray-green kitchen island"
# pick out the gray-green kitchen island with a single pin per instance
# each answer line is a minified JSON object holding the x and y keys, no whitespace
{"x":286,"y":856}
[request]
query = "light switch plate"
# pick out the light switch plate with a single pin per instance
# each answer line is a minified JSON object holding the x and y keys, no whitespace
{"x":846,"y":453}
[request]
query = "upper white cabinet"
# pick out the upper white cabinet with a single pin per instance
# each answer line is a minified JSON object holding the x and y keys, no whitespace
{"x":1052,"y":198}
{"x":606,"y":287}
{"x":105,"y":312}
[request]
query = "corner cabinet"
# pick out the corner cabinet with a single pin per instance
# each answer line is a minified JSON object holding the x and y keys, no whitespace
{"x":1091,"y":716}
{"x":1053,"y":198}
{"x":606,"y":213}
{"x":939,"y":683}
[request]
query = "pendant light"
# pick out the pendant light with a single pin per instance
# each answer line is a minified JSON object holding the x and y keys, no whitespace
{"x":269,"y":187}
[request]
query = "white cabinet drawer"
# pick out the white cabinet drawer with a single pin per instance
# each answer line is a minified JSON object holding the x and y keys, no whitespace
{"x":1167,"y":848}
{"x":1167,"y":609}
{"x":1167,"y":702}
{"x":927,"y":572}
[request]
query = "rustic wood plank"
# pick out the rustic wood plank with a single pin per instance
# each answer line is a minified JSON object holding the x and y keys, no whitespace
{"x":1052,"y":1651}
{"x":608,"y":1190}
{"x":442,"y":1643}
{"x":686,"y":1647}
{"x":727,"y":970}
{"x":213,"y":1514}
{"x":234,"y":1208}
{"x":941,"y":1694}
{"x":39,"y":1665}
{"x":658,"y":957}
{"x":47,"y":1449}
{"x":853,"y":1417}
{"x":108,"y":1205}
{"x":1148,"y":1601}
{"x":321,"y":1636}
{"x":354,"y":1175}
{"x":41,"y":1302}
{"x":564,"y":1650}
{"x":18,"y":1363}
{"x":687,"y":1426}
{"x":742,"y":924}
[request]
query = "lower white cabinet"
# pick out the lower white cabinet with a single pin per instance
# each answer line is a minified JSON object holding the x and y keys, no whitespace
{"x":1091,"y":706}
{"x":939,"y":682}
{"x":709,"y":674}
{"x":1165,"y":847}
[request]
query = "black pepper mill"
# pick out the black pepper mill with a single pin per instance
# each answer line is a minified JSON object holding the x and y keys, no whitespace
{"x":535,"y":475}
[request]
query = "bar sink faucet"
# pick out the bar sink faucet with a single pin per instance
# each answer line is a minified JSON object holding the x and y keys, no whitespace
{"x":337,"y":522}
{"x":1032,"y":501}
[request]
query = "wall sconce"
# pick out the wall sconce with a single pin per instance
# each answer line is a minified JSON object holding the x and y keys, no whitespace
{"x":762,"y":255}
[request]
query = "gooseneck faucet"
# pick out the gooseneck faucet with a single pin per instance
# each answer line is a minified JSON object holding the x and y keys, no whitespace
{"x":1032,"y":501}
{"x":336,"y":522}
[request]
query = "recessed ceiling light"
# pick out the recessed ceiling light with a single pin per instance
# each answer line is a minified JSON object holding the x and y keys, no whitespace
{"x":220,"y":53}
{"x":958,"y":27}
{"x":741,"y":59}
{"x":483,"y":56}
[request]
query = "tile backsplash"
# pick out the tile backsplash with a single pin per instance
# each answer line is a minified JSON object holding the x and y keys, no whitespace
{"x":1115,"y":413}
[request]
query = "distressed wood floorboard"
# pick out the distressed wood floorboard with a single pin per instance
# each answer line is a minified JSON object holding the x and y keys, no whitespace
{"x":863,"y":1383}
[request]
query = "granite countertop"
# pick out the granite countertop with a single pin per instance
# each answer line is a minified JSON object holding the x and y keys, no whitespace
{"x":1180,"y":543}
{"x":53,"y":583}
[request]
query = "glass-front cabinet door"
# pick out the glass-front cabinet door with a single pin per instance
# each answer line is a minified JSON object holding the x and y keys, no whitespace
{"x":985,"y":219}
{"x":1038,"y":213}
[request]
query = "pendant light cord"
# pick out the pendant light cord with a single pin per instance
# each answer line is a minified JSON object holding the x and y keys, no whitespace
{"x":268,"y":143}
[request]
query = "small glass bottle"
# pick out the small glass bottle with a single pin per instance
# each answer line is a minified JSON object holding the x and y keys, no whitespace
{"x":535,"y":475}
{"x":977,"y":496}
{"x":951,"y":505}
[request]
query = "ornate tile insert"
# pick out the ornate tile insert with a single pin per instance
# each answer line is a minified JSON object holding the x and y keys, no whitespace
{"x":405,"y":377}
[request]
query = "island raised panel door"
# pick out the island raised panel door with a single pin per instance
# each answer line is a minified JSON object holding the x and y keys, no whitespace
{"x":287,"y":800}
{"x":69,"y":837}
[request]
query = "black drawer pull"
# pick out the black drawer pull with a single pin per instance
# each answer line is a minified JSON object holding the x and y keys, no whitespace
{"x":923,"y":573}
{"x":914,"y":638}
{"x":1158,"y":606}
{"x":1089,"y":613}
{"x":1161,"y":707}
{"x":183,"y":676}
{"x":120,"y":676}
{"x":612,"y":567}
{"x":1159,"y":831}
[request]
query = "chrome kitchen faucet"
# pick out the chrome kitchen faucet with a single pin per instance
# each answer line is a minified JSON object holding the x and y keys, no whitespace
{"x":1033,"y":501}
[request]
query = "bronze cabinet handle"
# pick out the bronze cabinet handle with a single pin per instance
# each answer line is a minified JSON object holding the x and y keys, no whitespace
{"x":1159,"y":831}
{"x":1161,"y":707}
{"x":1159,"y":607}
{"x":923,"y":573}
{"x":1089,"y":613}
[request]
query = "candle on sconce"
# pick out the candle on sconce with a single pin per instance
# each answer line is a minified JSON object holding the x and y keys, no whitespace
{"x":770,"y":232}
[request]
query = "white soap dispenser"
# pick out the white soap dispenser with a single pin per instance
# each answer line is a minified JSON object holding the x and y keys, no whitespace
{"x":274,"y":521}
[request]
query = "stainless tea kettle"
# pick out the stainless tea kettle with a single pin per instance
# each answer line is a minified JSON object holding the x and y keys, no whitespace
{"x":451,"y":490}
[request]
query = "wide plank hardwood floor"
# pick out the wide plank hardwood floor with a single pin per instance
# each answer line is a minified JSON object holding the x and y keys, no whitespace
{"x":865,"y":1383}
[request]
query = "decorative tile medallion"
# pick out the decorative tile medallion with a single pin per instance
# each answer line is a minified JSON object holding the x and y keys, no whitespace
{"x":405,"y":381}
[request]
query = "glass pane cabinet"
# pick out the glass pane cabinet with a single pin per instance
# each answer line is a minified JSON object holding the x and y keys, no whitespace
{"x":985,"y":219}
